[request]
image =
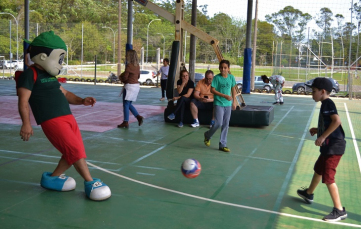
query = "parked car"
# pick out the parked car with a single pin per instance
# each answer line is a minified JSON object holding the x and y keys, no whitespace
{"x":301,"y":87}
{"x":7,"y":64}
{"x":198,"y":77}
{"x":258,"y":84}
{"x":146,"y":77}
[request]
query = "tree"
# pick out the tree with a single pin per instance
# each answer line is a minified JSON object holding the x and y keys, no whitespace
{"x":287,"y":21}
{"x":324,"y":19}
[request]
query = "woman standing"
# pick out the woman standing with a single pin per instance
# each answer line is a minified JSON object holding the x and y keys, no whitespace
{"x":131,"y":88}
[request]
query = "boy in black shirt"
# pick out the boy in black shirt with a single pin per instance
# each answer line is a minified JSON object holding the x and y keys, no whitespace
{"x":331,"y":139}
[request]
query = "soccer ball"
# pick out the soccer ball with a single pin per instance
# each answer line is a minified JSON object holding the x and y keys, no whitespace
{"x":191,"y":168}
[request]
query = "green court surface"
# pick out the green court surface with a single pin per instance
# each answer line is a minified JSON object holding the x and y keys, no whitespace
{"x":254,"y":186}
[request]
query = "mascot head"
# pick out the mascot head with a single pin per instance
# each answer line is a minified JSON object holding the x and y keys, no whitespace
{"x":48,"y":51}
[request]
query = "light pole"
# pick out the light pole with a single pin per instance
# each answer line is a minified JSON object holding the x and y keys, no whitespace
{"x":17,"y":35}
{"x":148,"y":36}
{"x":163,"y":43}
{"x":113,"y":42}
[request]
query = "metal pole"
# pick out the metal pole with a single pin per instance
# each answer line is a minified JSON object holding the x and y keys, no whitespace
{"x":192,"y":48}
{"x":119,"y":67}
{"x":146,"y":59}
{"x":26,"y":21}
{"x":254,"y":47}
{"x":349,"y":62}
{"x":95,"y":70}
{"x":82,"y":33}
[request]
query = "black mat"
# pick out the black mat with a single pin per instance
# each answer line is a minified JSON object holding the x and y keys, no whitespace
{"x":250,"y":115}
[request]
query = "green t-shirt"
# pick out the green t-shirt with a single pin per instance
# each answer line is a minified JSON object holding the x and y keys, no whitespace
{"x":224,"y":86}
{"x":47,"y":101}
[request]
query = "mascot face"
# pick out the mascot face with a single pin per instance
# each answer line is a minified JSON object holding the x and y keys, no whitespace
{"x":52,"y":64}
{"x":48,"y":52}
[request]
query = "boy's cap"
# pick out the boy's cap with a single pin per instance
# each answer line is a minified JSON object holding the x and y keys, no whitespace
{"x":322,"y":83}
{"x":48,"y":40}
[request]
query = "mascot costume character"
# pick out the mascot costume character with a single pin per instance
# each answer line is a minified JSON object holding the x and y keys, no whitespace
{"x":49,"y":102}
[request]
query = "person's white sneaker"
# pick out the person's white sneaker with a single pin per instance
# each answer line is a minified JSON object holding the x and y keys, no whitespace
{"x":195,"y":124}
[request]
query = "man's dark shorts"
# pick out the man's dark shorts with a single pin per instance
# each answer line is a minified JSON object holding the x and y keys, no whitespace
{"x":202,"y":106}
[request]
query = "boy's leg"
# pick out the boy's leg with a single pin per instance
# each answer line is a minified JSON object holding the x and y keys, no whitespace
{"x":315,"y":181}
{"x":218,"y":118}
{"x":332,"y":188}
{"x":80,"y":166}
{"x":61,"y":168}
{"x":225,"y":126}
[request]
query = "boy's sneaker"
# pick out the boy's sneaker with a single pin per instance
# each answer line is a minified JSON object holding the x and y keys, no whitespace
{"x":336,"y":215}
{"x":224,"y":149}
{"x":97,"y":190}
{"x":304,"y":195}
{"x":275,"y":103}
{"x":180,"y":125}
{"x":61,"y":183}
{"x":281,"y":103}
{"x":212,"y":123}
{"x":207,"y":141}
{"x":195,"y":124}
{"x":171,"y":116}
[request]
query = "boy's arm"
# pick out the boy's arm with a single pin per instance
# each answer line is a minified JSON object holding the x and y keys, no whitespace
{"x":335,"y":122}
{"x":215,"y":92}
{"x":23,"y":105}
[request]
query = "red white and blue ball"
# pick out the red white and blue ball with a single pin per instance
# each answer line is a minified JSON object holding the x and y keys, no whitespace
{"x":191,"y":168}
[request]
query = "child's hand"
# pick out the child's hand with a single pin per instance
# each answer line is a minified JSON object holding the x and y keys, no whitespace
{"x":313,"y":131}
{"x":319,"y":141}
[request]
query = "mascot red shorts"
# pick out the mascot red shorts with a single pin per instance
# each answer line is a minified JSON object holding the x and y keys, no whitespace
{"x":63,"y":132}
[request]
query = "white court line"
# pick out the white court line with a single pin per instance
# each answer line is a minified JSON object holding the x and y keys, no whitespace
{"x":353,"y":138}
{"x":221,"y":202}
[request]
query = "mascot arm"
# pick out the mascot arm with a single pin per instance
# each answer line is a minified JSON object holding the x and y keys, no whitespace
{"x":76,"y":100}
{"x":23,"y":104}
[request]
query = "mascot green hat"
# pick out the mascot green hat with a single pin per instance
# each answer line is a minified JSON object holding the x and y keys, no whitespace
{"x":48,"y":40}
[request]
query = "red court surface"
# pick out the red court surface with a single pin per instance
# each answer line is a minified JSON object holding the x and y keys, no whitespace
{"x":106,"y":115}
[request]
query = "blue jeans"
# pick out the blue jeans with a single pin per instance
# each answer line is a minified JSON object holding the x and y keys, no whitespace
{"x":127,"y":106}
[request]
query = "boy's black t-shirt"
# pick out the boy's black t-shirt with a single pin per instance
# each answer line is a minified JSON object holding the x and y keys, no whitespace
{"x":334,"y":144}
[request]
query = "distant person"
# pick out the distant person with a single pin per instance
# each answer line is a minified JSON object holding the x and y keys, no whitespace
{"x":28,"y":61}
{"x":163,"y":71}
{"x":131,"y":88}
{"x":185,"y":88}
{"x":223,"y":89}
{"x":331,"y":139}
{"x":278,"y":82}
{"x":202,"y":98}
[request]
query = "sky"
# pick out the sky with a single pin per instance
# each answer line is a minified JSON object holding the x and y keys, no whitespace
{"x":238,"y":8}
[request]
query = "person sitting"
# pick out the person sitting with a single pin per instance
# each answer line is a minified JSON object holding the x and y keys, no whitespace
{"x":202,"y":98}
{"x":185,"y":88}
